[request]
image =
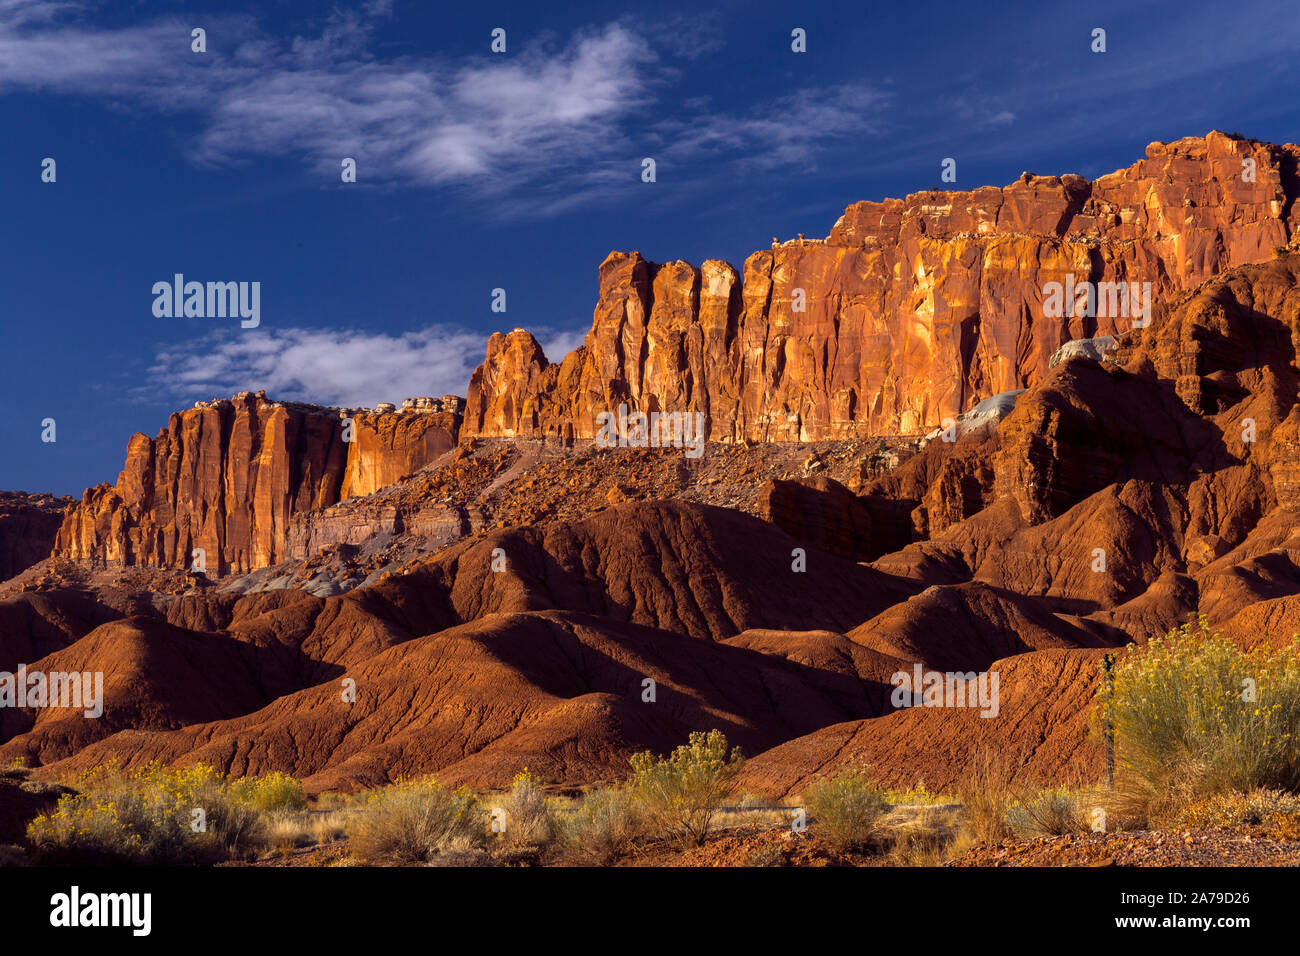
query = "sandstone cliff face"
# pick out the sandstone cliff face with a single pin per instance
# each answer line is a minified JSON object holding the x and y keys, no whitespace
{"x":387,"y":447}
{"x":229,"y":476}
{"x":911,"y":310}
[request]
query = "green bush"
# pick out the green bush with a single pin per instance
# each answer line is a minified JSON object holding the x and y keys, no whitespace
{"x":1186,"y":725}
{"x":682,"y":793}
{"x":413,"y":821}
{"x":847,"y":807}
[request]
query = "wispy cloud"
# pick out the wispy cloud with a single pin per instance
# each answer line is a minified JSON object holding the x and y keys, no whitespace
{"x":324,"y":366}
{"x":791,"y":129}
{"x":488,"y":121}
{"x":555,"y":124}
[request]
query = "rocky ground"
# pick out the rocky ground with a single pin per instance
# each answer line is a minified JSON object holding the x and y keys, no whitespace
{"x":777,"y":846}
{"x":1211,"y":846}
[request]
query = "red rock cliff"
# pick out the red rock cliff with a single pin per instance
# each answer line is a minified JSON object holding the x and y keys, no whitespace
{"x":227,"y":477}
{"x":913,"y":310}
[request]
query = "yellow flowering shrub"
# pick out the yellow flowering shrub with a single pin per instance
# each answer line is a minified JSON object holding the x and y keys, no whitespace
{"x":1194,"y":715}
{"x":681,"y":793}
{"x":159,"y":815}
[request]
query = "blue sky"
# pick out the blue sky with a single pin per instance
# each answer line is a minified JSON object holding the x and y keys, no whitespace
{"x":518,"y":170}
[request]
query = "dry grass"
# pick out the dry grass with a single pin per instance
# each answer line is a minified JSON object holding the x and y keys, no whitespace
{"x":526,"y":815}
{"x":306,"y":828}
{"x":414,"y":821}
{"x":985,"y":794}
{"x":928,"y":836}
{"x":603,"y":828}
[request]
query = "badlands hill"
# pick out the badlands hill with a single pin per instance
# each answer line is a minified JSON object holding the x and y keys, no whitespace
{"x":470,"y":589}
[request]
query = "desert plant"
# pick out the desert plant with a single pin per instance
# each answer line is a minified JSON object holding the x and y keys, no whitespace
{"x":124,"y":828}
{"x":528,"y":817}
{"x":411,"y":821}
{"x":603,"y":828}
{"x":275,"y":792}
{"x":847,"y":807}
{"x":152,"y":816}
{"x":768,"y":854}
{"x":1194,"y":715}
{"x":930,"y":837}
{"x":1238,"y":809}
{"x":682,"y":793}
{"x":1047,"y":813}
{"x":984,"y":791}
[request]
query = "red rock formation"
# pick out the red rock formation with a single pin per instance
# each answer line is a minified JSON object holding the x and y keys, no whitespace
{"x":1041,"y":732}
{"x":228,"y":477}
{"x":912,"y":310}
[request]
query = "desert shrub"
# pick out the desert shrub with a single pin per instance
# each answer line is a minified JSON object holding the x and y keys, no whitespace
{"x":603,"y":828}
{"x":148,"y":817}
{"x":528,"y":817}
{"x":1187,"y":725}
{"x":1047,"y":813}
{"x":122,"y":828}
{"x":682,"y":793}
{"x":917,"y":794}
{"x":847,"y":807}
{"x":234,"y":821}
{"x":412,"y":821}
{"x":275,"y":792}
{"x":984,"y":791}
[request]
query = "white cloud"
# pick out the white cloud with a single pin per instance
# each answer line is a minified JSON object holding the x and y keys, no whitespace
{"x":557,"y":343}
{"x":322,"y":366}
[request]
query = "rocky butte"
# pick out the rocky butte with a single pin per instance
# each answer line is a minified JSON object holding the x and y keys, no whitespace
{"x":911,"y":312}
